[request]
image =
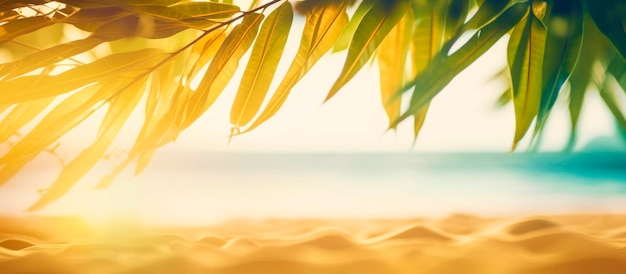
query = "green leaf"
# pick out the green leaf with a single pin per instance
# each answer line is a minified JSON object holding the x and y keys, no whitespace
{"x":323,"y":25}
{"x":610,"y":17}
{"x":428,"y":36}
{"x":617,"y":68}
{"x":505,"y":98}
{"x":419,"y":119}
{"x":392,"y":55}
{"x":344,"y":39}
{"x":526,"y":51}
{"x":120,"y":109}
{"x":437,"y":23}
{"x":445,"y":67}
{"x":266,"y":54}
{"x":487,"y":12}
{"x":375,"y":25}
{"x":222,"y":67}
{"x":565,"y":30}
{"x":609,"y":96}
{"x":35,"y":87}
{"x":454,"y":15}
{"x":579,"y":83}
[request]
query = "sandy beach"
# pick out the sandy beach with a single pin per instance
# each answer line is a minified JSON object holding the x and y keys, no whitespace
{"x":460,"y":243}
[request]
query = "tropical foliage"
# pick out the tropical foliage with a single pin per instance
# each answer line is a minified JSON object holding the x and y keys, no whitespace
{"x":173,"y":58}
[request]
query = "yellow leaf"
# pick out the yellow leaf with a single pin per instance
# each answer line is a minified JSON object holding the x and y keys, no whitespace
{"x":323,"y":26}
{"x":92,"y":19}
{"x":107,"y":180}
{"x":62,"y":118}
{"x":120,"y":109}
{"x":157,"y":121}
{"x":46,"y":57}
{"x":206,"y":48}
{"x":35,"y":87}
{"x":262,"y":65}
{"x":222,"y":67}
{"x":143,"y":161}
{"x":20,"y":115}
{"x":16,"y":28}
{"x":392,"y":56}
{"x":188,"y":9}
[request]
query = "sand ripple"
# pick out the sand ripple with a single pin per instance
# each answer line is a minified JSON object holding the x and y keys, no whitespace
{"x":458,"y":244}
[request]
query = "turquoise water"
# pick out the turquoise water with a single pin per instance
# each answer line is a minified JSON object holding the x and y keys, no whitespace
{"x":243,"y":185}
{"x":200,"y":187}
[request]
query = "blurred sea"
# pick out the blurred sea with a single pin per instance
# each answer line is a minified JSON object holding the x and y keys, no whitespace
{"x":380,"y":185}
{"x":198,"y":187}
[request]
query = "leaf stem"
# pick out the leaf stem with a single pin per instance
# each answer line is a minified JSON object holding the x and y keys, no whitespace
{"x":205,"y":32}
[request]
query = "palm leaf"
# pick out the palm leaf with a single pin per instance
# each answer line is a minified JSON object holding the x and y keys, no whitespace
{"x":438,"y":22}
{"x":375,"y":25}
{"x":565,"y":29}
{"x":323,"y":25}
{"x":608,"y":93}
{"x":592,"y":46}
{"x":392,"y":55}
{"x":16,"y":28}
{"x":222,"y":67}
{"x":617,"y":69}
{"x":526,"y":51}
{"x":345,"y":38}
{"x":62,"y":118}
{"x":610,"y":17}
{"x":119,"y":110}
{"x":91,"y":19}
{"x":445,"y":67}
{"x":20,"y":115}
{"x":487,"y":12}
{"x":46,"y":57}
{"x":186,"y":10}
{"x":261,"y":68}
{"x":110,"y":67}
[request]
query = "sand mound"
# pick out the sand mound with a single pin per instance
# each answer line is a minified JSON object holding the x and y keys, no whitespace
{"x":15,"y":244}
{"x":422,"y":233}
{"x":211,"y":241}
{"x":331,"y":242}
{"x":531,"y":225}
{"x":239,"y":245}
